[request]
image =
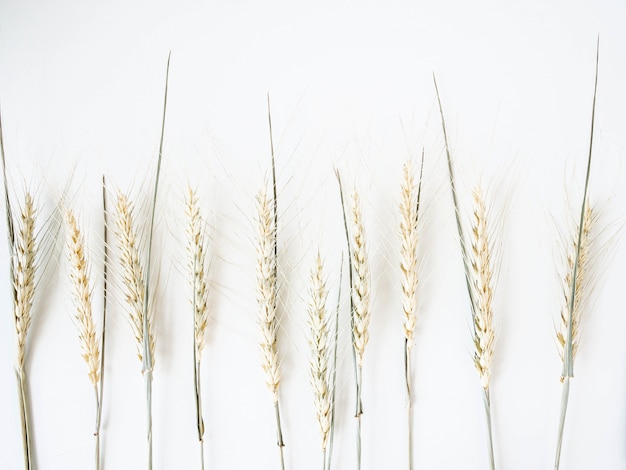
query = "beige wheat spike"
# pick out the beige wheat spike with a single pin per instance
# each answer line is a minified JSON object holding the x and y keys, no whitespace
{"x":581,"y":281}
{"x":197,"y":252}
{"x":319,"y":343}
{"x":133,"y":273}
{"x":81,"y":294}
{"x":361,"y":287}
{"x":24,"y":275}
{"x":408,"y":252}
{"x":482,"y":274}
{"x":267,"y":292}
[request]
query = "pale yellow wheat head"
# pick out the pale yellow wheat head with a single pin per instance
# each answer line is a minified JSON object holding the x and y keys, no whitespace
{"x":197,"y":262}
{"x":25,"y":250}
{"x":267,"y":292}
{"x":581,"y":284}
{"x":319,"y":343}
{"x":408,"y":252}
{"x":361,"y":281}
{"x":81,"y":294}
{"x":133,"y":273}
{"x":482,"y":275}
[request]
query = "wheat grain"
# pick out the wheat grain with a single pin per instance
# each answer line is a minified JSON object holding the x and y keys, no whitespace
{"x":24,"y":258}
{"x":318,"y":342}
{"x":408,"y":252}
{"x":196,"y":247}
{"x":361,"y":287}
{"x":267,"y":292}
{"x":133,"y":274}
{"x":81,"y":293}
{"x":580,"y":286}
{"x":482,"y":280}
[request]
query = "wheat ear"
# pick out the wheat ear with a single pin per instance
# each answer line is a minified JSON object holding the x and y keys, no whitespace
{"x":570,"y":343}
{"x":196,"y":247}
{"x":409,"y":213}
{"x":482,"y":283}
{"x":320,"y":354}
{"x":81,"y":295}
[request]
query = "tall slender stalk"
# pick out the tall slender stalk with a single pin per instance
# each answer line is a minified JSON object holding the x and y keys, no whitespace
{"x":409,"y":212}
{"x":569,"y":342}
{"x":477,"y":269}
{"x":21,"y":273}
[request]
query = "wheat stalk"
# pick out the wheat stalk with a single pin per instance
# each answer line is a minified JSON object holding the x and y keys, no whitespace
{"x":81,"y":295}
{"x":473,"y":284}
{"x":320,"y":354}
{"x":575,"y":298}
{"x":409,"y":213}
{"x":361,"y":312}
{"x":196,"y":248}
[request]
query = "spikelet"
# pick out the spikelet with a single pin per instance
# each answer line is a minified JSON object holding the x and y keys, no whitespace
{"x":581,"y":285}
{"x":196,"y":248}
{"x":482,"y":275}
{"x":81,"y":294}
{"x":408,"y":252}
{"x":24,"y":255}
{"x":319,"y":343}
{"x":267,"y":292}
{"x":361,"y":281}
{"x":133,"y":273}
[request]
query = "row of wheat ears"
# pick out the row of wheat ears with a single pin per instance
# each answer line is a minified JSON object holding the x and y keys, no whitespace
{"x":478,"y":266}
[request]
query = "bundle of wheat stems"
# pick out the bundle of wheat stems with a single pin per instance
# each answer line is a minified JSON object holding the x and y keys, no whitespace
{"x":197,"y":252}
{"x":409,"y":217}
{"x":136,"y":276}
{"x":576,"y":289}
{"x":360,"y":311}
{"x":478,"y":268}
{"x":92,"y":347}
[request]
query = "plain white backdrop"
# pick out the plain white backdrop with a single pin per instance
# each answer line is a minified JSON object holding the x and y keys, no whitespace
{"x":351,"y":87}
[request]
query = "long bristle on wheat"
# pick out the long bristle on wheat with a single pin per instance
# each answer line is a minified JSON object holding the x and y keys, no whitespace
{"x":482,"y":273}
{"x":267,"y":292}
{"x":319,"y":344}
{"x":24,"y":275}
{"x":196,"y":248}
{"x":133,"y":273}
{"x":581,"y":284}
{"x":408,"y":252}
{"x":81,"y":294}
{"x":361,"y":287}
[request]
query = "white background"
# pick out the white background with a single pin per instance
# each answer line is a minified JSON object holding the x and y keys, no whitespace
{"x":81,"y":87}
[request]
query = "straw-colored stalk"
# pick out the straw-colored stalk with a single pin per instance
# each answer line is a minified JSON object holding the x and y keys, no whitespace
{"x":267,"y":298}
{"x":81,"y":295}
{"x":409,"y":206}
{"x":471,"y":279}
{"x":575,"y":282}
{"x":140,"y":315}
{"x":320,"y":354}
{"x":23,"y":271}
{"x":197,"y":252}
{"x":361,"y":312}
{"x":482,"y":284}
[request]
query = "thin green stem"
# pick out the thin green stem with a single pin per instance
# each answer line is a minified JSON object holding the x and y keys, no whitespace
{"x":24,"y":418}
{"x":359,"y":413}
{"x":492,"y":464}
{"x":96,"y":434}
{"x":279,"y":435}
{"x":559,"y":440}
{"x":409,"y":405}
{"x":200,"y":421}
